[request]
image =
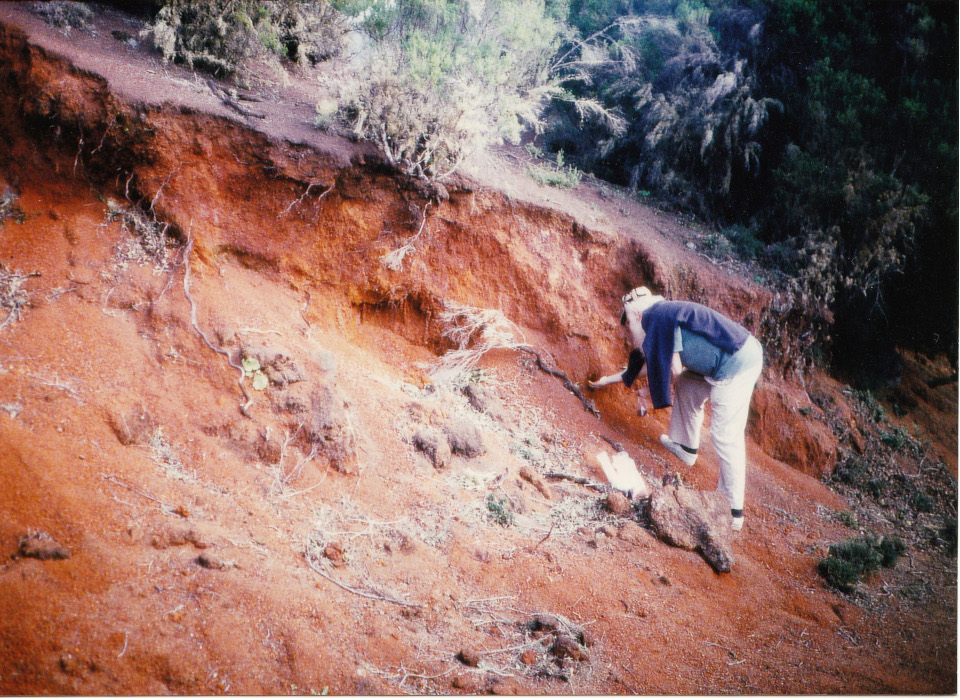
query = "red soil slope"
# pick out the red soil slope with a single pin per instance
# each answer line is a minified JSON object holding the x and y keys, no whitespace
{"x":303,"y":543}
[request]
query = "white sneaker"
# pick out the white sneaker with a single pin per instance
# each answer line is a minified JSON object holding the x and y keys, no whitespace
{"x":737,"y":524}
{"x":684,"y":456}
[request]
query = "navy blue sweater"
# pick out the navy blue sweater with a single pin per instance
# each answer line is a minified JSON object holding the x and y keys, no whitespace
{"x":660,"y":322}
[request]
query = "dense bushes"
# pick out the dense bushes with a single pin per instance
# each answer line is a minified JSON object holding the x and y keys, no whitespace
{"x":220,"y":36}
{"x":445,"y":78}
{"x":828,"y":130}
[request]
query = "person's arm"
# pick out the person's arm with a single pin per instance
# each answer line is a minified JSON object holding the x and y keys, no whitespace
{"x":676,"y":366}
{"x":606,"y":381}
{"x":636,"y":367}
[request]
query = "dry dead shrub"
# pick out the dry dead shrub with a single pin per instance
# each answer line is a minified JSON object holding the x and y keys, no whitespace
{"x":13,"y":297}
{"x":443,"y":80}
{"x":475,"y":332}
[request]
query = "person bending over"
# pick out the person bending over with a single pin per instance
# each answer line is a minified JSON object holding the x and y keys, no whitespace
{"x":706,"y":356}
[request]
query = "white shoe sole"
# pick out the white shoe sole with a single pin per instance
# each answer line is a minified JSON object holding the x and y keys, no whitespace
{"x":679,"y":452}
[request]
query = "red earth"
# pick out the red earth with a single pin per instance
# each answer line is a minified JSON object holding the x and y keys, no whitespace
{"x":293,"y":540}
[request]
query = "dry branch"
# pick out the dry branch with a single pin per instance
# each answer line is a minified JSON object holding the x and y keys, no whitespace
{"x":230,"y":102}
{"x":374,"y":595}
{"x":577,"y":480}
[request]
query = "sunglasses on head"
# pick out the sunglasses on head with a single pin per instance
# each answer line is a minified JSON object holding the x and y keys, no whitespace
{"x":630,"y":296}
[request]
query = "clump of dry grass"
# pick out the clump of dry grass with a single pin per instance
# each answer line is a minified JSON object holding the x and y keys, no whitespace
{"x":13,"y":297}
{"x":150,"y":240}
{"x":166,"y":456}
{"x":9,"y":208}
{"x":475,"y":332}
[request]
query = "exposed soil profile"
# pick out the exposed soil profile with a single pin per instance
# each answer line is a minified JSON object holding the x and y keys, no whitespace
{"x":226,"y":466}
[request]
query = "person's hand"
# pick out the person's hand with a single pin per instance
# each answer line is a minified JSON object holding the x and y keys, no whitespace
{"x":593,"y":385}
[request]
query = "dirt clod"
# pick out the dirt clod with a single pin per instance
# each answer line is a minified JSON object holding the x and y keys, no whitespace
{"x":336,"y":554}
{"x":469,"y":657}
{"x":39,"y":545}
{"x":528,"y":475}
{"x":566,"y":647}
{"x":211,"y":561}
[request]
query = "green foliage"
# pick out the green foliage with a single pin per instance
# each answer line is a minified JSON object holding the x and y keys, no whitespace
{"x":10,"y":207}
{"x":447,"y":78}
{"x":500,"y":510}
{"x":253,"y":371}
{"x":221,"y":36}
{"x":560,"y":175}
{"x":849,"y":561}
{"x":828,"y":130}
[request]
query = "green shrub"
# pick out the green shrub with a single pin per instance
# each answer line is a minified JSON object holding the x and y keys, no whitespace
{"x":500,"y":510}
{"x":849,"y":561}
{"x":446,"y":79}
{"x":65,"y":15}
{"x":220,"y":36}
{"x":561,"y":175}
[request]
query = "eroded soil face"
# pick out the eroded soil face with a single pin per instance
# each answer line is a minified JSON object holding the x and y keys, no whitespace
{"x":216,"y":362}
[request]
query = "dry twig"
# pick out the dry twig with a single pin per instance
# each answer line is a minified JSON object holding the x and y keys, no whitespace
{"x":374,"y":595}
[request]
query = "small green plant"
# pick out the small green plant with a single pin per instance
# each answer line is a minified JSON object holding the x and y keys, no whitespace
{"x":849,"y":561}
{"x":559,"y":175}
{"x":744,"y":241}
{"x":896,"y":439}
{"x":500,"y":510}
{"x":848,"y":518}
{"x":874,"y":409}
{"x":252,"y":370}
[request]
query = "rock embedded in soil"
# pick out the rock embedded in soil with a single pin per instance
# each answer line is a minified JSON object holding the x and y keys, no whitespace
{"x":530,"y":476}
{"x":434,"y":446}
{"x":39,"y":545}
{"x":211,"y":561}
{"x":464,"y":438}
{"x":698,"y":521}
{"x":618,"y":504}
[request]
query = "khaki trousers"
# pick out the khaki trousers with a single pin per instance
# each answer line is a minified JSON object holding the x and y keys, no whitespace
{"x":730,"y":407}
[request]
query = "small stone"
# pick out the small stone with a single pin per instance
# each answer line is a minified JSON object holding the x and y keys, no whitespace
{"x":618,"y":504}
{"x":469,"y":657}
{"x":529,"y":657}
{"x":210,"y":561}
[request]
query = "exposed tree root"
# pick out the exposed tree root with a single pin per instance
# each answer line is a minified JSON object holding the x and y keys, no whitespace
{"x":188,"y":249}
{"x":588,"y":405}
